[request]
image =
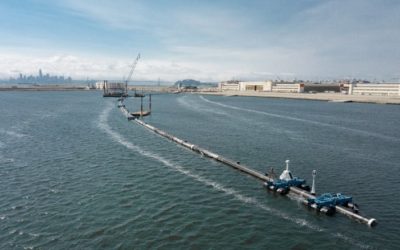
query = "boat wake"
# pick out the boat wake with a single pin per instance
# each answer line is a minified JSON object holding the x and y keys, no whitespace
{"x":357,"y":131}
{"x":12,"y":133}
{"x":195,"y":106}
{"x":183,"y":100}
{"x":4,"y":160}
{"x":103,"y":125}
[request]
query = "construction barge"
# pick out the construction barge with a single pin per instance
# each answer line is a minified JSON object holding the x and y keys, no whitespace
{"x":325,"y":203}
{"x":141,"y":112}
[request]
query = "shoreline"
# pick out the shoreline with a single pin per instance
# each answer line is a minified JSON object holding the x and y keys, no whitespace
{"x":44,"y":88}
{"x":81,"y":87}
{"x":329,"y":97}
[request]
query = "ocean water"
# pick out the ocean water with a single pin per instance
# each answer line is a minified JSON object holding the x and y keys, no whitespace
{"x":75,"y":174}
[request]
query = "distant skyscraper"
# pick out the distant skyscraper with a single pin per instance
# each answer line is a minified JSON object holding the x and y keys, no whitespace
{"x":40,"y":78}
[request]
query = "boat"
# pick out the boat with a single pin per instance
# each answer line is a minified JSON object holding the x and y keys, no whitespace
{"x":341,"y":101}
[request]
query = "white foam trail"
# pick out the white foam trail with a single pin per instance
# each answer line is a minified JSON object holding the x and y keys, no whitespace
{"x":12,"y":133}
{"x":195,"y":106}
{"x":103,"y":124}
{"x":6,"y":160}
{"x":361,"y":132}
{"x":183,"y":100}
{"x":352,"y":241}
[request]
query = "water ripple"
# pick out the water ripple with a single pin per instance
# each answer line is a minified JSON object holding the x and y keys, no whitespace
{"x":103,"y":124}
{"x":358,"y":131}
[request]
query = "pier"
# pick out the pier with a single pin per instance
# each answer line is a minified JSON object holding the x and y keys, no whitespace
{"x":236,"y":165}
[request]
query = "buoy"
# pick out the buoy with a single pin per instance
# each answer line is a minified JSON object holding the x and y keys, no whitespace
{"x":372,"y":222}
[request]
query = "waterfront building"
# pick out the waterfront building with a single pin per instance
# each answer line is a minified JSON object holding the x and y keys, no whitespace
{"x":265,"y":86}
{"x":385,"y":89}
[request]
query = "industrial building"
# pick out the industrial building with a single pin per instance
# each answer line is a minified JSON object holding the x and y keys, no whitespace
{"x":100,"y":84}
{"x":390,"y":89}
{"x":113,"y":89}
{"x":265,"y":86}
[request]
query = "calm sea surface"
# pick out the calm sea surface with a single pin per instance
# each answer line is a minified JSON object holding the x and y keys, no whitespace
{"x":75,"y":174}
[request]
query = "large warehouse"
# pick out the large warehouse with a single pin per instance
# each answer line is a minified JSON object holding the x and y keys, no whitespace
{"x":266,"y":86}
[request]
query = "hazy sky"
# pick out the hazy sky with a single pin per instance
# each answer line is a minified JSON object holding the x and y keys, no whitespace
{"x":205,"y":40}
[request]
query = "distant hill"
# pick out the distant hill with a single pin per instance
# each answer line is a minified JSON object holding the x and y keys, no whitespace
{"x":194,"y":83}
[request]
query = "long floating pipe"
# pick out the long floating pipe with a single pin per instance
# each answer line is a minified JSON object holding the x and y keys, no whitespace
{"x":370,"y":222}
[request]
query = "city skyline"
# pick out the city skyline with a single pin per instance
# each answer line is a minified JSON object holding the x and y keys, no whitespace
{"x":203,"y":40}
{"x":39,"y":78}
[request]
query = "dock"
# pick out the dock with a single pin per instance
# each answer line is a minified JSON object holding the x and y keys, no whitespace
{"x":236,"y":165}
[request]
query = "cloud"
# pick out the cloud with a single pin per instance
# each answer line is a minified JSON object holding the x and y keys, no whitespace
{"x":117,"y":14}
{"x":224,"y":40}
{"x":352,"y":36}
{"x":81,"y":67}
{"x":68,"y":65}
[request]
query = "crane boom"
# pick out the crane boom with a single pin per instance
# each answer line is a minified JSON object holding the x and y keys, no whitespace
{"x":132,"y":68}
